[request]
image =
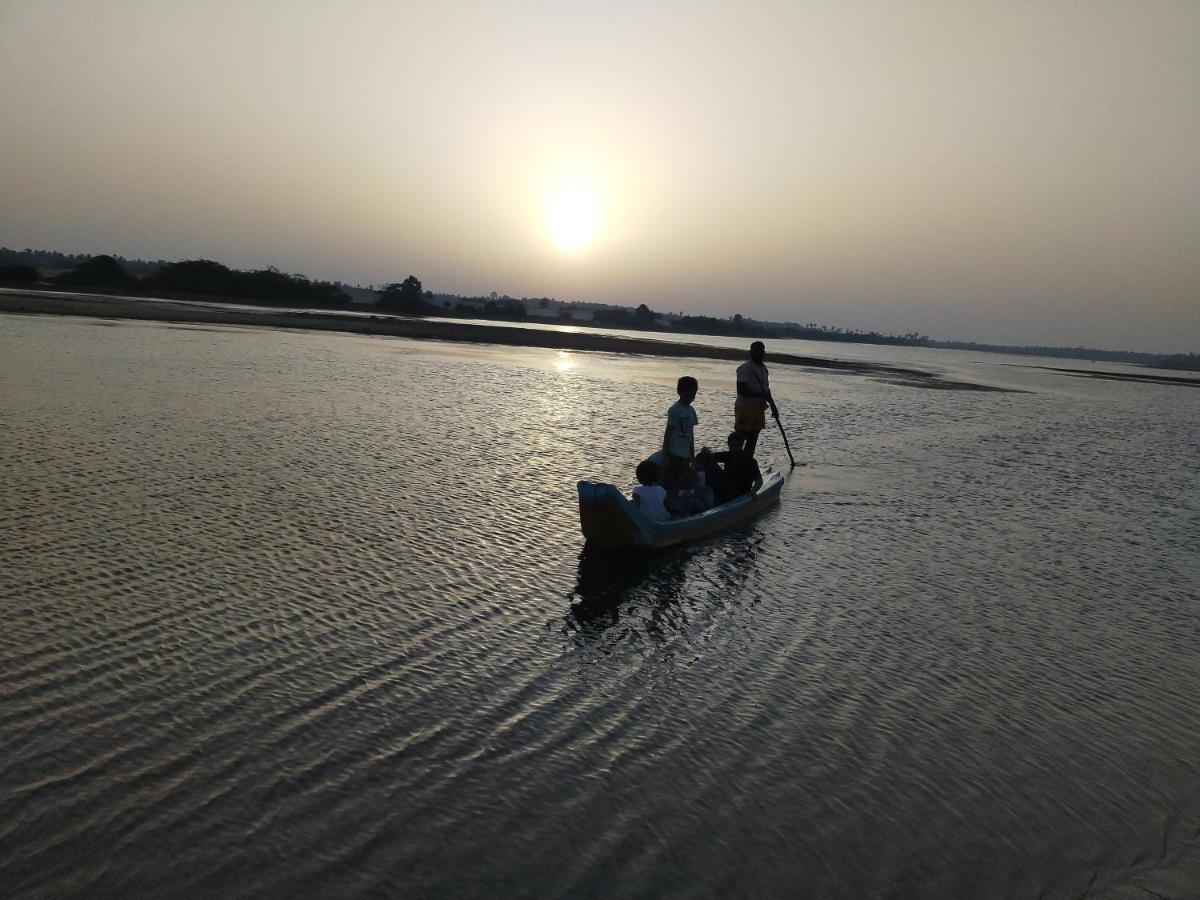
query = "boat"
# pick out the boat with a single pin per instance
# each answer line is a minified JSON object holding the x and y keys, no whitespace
{"x":609,"y":519}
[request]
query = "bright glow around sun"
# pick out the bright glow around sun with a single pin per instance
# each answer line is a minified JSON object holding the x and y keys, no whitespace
{"x":573,"y":216}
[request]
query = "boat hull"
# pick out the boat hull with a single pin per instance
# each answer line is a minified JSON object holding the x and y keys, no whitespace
{"x":608,"y":519}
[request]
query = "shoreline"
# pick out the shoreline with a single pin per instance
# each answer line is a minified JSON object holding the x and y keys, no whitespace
{"x":135,"y":308}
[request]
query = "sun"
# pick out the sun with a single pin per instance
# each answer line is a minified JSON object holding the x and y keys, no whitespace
{"x":573,"y":216}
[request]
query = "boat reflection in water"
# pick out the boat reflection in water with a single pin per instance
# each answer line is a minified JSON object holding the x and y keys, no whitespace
{"x":653,"y":599}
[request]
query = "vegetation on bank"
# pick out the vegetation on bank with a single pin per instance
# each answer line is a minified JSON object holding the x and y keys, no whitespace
{"x":267,"y":286}
{"x":214,"y":281}
{"x":193,"y":277}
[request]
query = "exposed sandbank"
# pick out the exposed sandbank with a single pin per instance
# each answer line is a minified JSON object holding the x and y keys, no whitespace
{"x":1126,"y":376}
{"x":113,"y":307}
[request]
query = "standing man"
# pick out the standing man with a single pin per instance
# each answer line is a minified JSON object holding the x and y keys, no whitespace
{"x":753,"y":397}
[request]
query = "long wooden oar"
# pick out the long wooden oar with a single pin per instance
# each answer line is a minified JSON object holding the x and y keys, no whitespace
{"x":786,"y":446}
{"x":775,"y":416}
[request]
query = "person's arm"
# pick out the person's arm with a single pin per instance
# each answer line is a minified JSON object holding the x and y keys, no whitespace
{"x":666,"y":448}
{"x":757,"y":478}
{"x":770,"y":400}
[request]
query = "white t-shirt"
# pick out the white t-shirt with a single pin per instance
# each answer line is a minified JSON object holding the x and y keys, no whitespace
{"x":754,"y":376}
{"x":650,"y":499}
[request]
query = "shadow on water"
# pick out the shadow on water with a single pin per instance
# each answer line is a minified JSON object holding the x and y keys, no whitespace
{"x":606,"y":578}
{"x":655,"y":597}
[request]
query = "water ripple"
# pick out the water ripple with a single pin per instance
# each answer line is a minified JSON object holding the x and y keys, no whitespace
{"x":309,"y":614}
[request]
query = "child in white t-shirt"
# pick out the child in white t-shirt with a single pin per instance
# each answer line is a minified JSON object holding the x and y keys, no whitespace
{"x":649,"y":496}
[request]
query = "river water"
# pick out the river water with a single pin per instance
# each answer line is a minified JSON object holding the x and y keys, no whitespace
{"x":291,"y":613}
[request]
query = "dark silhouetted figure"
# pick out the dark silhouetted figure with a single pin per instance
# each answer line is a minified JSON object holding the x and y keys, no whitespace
{"x":740,"y":468}
{"x":679,"y":437}
{"x":753,"y":398}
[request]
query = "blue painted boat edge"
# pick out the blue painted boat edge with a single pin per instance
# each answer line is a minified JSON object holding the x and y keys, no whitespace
{"x":648,"y":533}
{"x":637,"y":529}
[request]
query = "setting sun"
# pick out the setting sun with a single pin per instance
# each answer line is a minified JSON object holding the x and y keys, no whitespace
{"x":573,"y":216}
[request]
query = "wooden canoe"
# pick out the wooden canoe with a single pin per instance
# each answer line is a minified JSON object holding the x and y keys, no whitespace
{"x":609,"y":519}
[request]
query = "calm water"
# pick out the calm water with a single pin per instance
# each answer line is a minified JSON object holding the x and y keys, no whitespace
{"x":296,"y":614}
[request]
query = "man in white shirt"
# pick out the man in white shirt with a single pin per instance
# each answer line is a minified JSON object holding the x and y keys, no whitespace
{"x":753,"y":397}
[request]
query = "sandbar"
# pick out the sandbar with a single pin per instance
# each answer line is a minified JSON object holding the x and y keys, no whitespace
{"x":119,"y":307}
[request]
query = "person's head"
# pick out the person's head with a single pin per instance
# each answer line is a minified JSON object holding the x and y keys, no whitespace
{"x":758,"y":351}
{"x":736,"y":442}
{"x":648,"y":472}
{"x":703,"y":460}
{"x":687,"y":388}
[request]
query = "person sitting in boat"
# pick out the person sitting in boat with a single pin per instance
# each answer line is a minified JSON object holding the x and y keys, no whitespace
{"x":718,"y":481}
{"x":706,"y":470}
{"x":649,"y":496}
{"x":741,"y":468}
{"x":685,"y":500}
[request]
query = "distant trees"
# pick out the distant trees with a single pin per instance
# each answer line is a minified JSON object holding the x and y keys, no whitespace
{"x":615,"y":317}
{"x":507,"y":309}
{"x":270,"y":286}
{"x":18,"y":274}
{"x":100,"y":271}
{"x":405,"y":297}
{"x":196,"y":276}
{"x":1190,"y":361}
{"x":57,"y":262}
{"x":266,"y":286}
{"x":619,"y":317}
{"x":203,"y":277}
{"x":709,"y":325}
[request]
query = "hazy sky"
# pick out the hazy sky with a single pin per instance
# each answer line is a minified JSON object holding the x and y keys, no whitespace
{"x":1007,"y":171}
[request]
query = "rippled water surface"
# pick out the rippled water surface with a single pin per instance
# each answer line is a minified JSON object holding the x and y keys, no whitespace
{"x":289,"y":613}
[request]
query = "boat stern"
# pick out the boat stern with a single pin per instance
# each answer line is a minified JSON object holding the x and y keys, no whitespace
{"x":607,"y":518}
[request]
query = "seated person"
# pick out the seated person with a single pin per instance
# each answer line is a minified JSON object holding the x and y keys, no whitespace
{"x":649,"y":496}
{"x":705,"y":467}
{"x":683,"y":501}
{"x":741,"y":469}
{"x":718,"y":483}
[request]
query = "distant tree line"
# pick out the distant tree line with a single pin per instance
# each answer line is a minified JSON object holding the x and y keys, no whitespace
{"x":507,"y":309}
{"x":1189,"y":361}
{"x":266,"y":286}
{"x":193,"y":277}
{"x":642,"y":318}
{"x":53,"y":260}
{"x":16,"y":273}
{"x":406,"y":297}
{"x":269,"y":286}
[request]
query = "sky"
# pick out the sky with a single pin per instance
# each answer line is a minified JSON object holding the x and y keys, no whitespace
{"x":1009,"y":172}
